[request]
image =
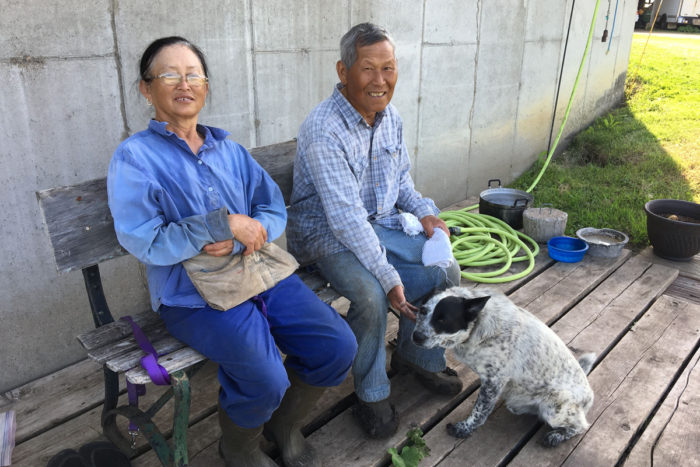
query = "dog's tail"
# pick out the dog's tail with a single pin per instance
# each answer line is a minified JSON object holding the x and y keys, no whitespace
{"x":586,"y":361}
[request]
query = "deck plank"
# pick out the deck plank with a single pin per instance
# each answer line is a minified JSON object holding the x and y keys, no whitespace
{"x":49,"y":401}
{"x":687,"y":268}
{"x":685,"y":288}
{"x":628,"y":384}
{"x":671,"y":437}
{"x":558,"y":288}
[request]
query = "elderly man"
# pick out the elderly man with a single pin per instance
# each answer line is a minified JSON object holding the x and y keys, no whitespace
{"x":351,"y":183}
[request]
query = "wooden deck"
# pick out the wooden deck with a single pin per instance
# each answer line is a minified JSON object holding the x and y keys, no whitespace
{"x":641,"y":315}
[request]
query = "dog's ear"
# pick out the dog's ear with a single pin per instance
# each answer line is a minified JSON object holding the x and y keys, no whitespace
{"x":472,"y":307}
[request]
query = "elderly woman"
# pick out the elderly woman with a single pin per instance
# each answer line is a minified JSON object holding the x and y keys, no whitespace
{"x":180,"y":192}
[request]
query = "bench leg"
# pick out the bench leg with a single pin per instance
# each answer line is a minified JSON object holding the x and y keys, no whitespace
{"x":168,"y":456}
{"x":181,"y":387}
{"x":109,"y":424}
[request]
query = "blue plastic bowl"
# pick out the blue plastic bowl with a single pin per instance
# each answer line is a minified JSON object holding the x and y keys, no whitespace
{"x":566,"y":249}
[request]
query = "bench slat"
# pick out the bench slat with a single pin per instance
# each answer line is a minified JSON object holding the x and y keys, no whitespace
{"x":165,"y":347}
{"x":113,"y":332}
{"x":80,"y":225}
{"x":123,"y":349}
{"x":179,"y":360}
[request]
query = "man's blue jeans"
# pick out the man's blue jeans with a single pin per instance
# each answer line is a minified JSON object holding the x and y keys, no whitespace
{"x":367,"y":315}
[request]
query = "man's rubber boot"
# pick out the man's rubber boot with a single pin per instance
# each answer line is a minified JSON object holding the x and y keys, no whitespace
{"x":240,"y":447}
{"x":445,"y":382}
{"x":378,"y":420}
{"x":284,"y":428}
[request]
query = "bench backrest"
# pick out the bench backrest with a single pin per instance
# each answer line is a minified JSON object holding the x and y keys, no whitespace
{"x":80,"y":225}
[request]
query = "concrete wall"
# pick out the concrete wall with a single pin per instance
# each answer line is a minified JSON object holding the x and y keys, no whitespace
{"x":476,"y":91}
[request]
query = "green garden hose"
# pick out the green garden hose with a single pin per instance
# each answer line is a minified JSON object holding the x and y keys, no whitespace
{"x":485,"y":240}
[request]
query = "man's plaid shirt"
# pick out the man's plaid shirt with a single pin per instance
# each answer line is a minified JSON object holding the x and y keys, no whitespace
{"x":347,"y":175}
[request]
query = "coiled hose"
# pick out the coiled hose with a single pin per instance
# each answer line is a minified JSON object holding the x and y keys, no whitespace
{"x":482,"y":240}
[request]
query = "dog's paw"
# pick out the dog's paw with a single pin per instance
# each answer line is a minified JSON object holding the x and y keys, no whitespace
{"x":458,"y":430}
{"x":553,"y":438}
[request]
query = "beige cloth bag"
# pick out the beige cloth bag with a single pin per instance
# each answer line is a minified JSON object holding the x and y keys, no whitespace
{"x":227,"y":281}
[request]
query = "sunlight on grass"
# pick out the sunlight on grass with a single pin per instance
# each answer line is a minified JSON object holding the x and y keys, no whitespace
{"x":648,"y":148}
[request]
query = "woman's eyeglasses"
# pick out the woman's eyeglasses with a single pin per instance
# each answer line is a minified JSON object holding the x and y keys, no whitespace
{"x":172,"y":79}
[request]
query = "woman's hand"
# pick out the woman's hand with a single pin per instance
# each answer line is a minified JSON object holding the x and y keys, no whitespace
{"x":248,"y":231}
{"x":431,"y":222}
{"x":222,"y":248}
{"x":398,"y":302}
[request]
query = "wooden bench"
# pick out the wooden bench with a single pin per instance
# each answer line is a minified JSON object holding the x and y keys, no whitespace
{"x":81,"y":231}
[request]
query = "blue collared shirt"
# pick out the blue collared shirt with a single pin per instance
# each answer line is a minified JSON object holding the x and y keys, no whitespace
{"x":348,"y":175}
{"x":168,"y":203}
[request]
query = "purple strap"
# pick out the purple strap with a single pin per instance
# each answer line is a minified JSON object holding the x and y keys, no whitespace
{"x":157,"y":373}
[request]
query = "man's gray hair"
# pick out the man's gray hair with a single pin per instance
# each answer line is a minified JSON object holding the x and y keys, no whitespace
{"x":361,"y":35}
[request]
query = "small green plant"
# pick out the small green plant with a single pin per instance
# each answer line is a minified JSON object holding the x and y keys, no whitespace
{"x":609,"y":122}
{"x":412,"y":452}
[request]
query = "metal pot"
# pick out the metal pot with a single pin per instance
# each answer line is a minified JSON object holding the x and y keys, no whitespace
{"x":506,"y":204}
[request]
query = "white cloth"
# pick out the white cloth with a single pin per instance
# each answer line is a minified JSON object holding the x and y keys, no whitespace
{"x":437,"y":250}
{"x":410,"y":223}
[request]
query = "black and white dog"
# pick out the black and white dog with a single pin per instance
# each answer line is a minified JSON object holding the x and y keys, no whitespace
{"x":516,"y":356}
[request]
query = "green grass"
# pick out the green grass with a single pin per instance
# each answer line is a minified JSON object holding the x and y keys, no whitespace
{"x":648,"y":148}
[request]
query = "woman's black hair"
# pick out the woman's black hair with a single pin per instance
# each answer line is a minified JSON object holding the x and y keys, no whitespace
{"x":152,"y":50}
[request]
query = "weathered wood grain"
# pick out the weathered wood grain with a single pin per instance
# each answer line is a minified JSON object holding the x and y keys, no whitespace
{"x":561,"y":286}
{"x":118,"y":330}
{"x":79,"y":224}
{"x":686,"y":268}
{"x":125,"y":354}
{"x":179,"y":360}
{"x":685,"y":288}
{"x":616,"y":317}
{"x":671,"y":438}
{"x":48,"y":402}
{"x":619,"y":290}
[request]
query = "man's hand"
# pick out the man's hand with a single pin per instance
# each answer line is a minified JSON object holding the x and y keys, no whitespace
{"x":248,"y":231}
{"x":398,"y":302}
{"x":222,"y":248}
{"x":430,"y":223}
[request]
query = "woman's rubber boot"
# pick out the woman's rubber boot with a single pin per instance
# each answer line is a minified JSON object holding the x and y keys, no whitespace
{"x":240,"y":447}
{"x":285,"y":425}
